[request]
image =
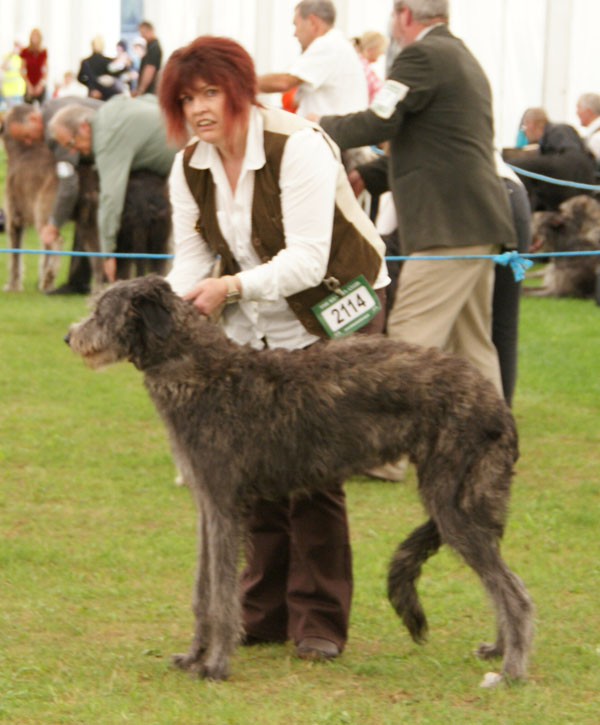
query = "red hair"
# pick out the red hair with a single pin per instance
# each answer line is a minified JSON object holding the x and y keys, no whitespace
{"x":217,"y":61}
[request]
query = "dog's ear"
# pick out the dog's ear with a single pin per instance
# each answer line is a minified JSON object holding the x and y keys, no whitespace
{"x":155,"y":317}
{"x":152,"y":305}
{"x":578,"y":213}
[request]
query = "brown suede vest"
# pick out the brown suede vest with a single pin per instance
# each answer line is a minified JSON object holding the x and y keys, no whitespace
{"x":350,"y":255}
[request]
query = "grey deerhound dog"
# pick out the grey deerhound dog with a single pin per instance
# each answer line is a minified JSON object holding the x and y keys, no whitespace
{"x":246,"y":424}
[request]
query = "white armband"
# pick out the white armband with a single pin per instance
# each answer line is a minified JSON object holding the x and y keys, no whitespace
{"x":64,"y":169}
{"x":388,"y":97}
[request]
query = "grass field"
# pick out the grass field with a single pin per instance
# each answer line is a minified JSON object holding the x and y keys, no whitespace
{"x":97,"y":554}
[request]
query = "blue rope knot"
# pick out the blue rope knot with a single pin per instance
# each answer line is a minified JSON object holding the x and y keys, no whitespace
{"x":517,"y":263}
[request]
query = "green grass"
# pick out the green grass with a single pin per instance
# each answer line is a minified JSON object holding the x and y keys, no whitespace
{"x":97,"y":554}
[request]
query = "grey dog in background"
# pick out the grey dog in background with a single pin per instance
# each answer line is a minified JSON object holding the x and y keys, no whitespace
{"x":247,"y":424}
{"x":574,"y":227}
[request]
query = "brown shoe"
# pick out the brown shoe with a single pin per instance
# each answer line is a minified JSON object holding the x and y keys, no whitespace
{"x":317,"y":648}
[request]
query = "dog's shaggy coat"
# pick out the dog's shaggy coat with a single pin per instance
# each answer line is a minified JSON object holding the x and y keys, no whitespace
{"x":245,"y":424}
{"x":575,"y":227}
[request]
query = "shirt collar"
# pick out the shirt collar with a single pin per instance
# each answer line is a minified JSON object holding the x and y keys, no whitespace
{"x":592,"y":127}
{"x":206,"y":155}
{"x":428,"y":29}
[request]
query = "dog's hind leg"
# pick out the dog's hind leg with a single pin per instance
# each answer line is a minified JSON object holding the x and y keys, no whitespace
{"x":404,"y":570}
{"x":514,"y":610}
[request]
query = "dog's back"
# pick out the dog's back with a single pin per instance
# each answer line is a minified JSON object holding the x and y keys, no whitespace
{"x":393,"y":398}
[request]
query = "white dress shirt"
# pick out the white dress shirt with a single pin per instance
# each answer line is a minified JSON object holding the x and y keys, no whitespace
{"x":307,"y":182}
{"x":332,"y":75}
{"x":591,"y":137}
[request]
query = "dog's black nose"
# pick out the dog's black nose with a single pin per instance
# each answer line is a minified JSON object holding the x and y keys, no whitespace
{"x":67,"y":337}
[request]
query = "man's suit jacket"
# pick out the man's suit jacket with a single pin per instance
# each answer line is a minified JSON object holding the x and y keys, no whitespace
{"x":441,"y":169}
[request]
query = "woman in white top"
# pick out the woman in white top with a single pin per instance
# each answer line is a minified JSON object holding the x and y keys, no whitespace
{"x":265,"y":193}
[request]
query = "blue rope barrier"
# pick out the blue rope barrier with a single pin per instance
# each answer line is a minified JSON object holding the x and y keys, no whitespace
{"x":518,"y":263}
{"x":552,"y":180}
{"x":60,"y":253}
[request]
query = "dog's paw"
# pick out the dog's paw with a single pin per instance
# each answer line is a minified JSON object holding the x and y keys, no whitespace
{"x":491,"y":679}
{"x":217,"y":671}
{"x":488,"y":651}
{"x":191,"y":663}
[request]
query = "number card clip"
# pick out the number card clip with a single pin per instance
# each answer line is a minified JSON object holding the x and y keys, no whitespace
{"x":347,"y":309}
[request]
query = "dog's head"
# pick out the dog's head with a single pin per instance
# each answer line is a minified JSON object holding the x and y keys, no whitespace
{"x":583,"y":215}
{"x":132,"y":320}
{"x":550,"y":231}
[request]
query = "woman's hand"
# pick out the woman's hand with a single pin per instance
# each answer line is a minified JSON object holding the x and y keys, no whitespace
{"x":208,"y":294}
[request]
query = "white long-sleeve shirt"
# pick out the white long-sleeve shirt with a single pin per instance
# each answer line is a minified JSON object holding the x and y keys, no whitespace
{"x":307,"y":182}
{"x":591,"y":137}
{"x":333,"y":80}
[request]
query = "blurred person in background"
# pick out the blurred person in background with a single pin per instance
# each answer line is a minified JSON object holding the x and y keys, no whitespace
{"x":12,"y":83}
{"x":588,"y":112}
{"x":147,"y":81}
{"x":34,"y":68}
{"x":369,"y":46}
{"x":95,"y":73}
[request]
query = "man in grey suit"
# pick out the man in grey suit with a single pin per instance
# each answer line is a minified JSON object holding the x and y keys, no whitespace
{"x":436,"y":111}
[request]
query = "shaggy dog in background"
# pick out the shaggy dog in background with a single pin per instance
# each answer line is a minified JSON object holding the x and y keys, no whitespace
{"x":29,"y":189}
{"x":145,"y":223}
{"x":245,"y":424}
{"x":575,"y":227}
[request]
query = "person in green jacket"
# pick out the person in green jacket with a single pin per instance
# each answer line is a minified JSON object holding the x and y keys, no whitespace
{"x":126,"y":134}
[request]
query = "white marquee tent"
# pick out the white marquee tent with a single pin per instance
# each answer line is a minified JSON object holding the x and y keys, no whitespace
{"x":535,"y":52}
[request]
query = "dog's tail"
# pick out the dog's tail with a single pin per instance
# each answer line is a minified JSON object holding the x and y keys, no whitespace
{"x":404,"y":570}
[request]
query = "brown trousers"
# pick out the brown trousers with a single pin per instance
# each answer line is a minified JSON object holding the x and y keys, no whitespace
{"x":297,"y":582}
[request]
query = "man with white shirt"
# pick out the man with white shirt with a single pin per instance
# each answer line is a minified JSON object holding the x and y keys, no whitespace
{"x":588,"y":111}
{"x":328,"y":73}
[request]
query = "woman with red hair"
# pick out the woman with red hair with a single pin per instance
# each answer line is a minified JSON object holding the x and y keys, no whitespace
{"x":266,"y":193}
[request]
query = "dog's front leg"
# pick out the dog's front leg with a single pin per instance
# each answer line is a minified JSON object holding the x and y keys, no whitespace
{"x":192,"y":660}
{"x":15,"y":261}
{"x":224,"y":606}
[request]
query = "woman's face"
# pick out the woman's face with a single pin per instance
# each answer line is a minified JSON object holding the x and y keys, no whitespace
{"x":204,"y":110}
